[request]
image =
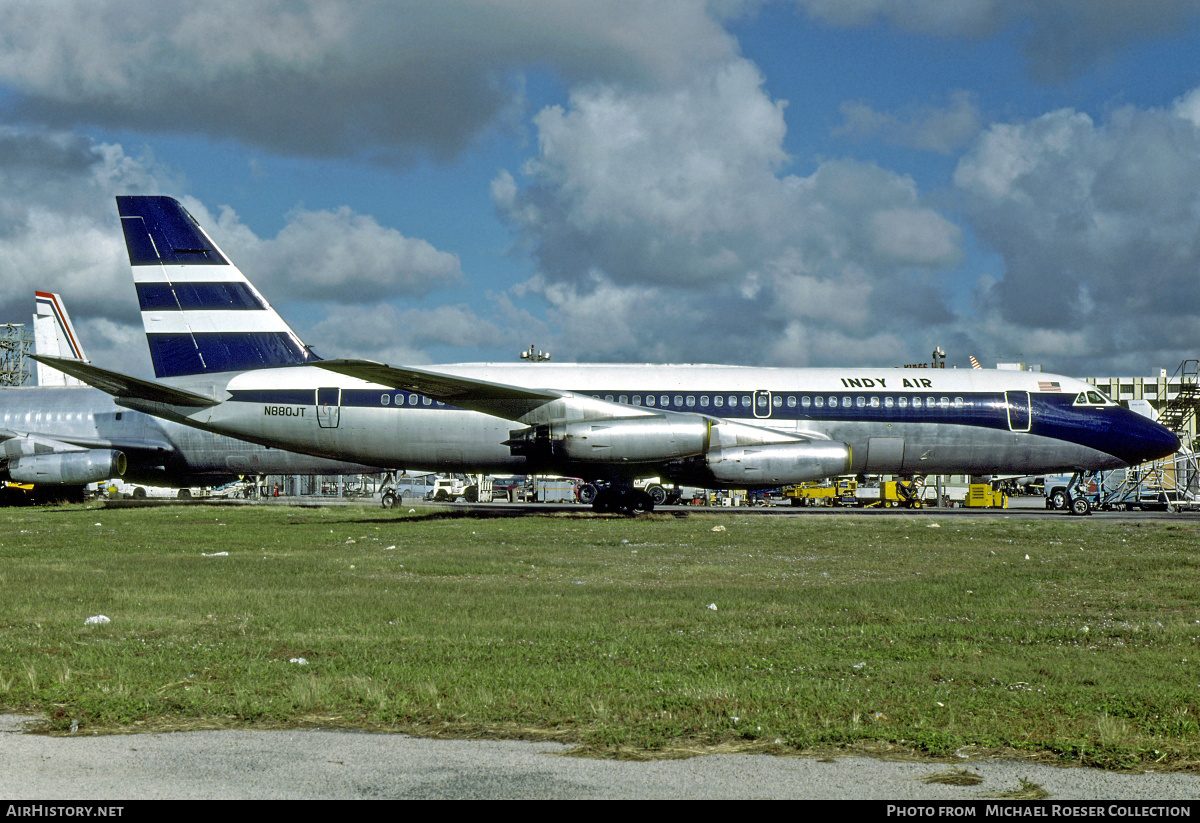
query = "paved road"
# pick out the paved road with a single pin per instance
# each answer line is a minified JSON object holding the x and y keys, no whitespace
{"x":350,"y":765}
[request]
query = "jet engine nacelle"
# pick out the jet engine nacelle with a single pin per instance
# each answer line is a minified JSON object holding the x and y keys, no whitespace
{"x":777,"y":464}
{"x":68,"y":468}
{"x":621,"y":440}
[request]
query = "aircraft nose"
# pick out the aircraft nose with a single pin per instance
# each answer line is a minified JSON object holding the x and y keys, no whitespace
{"x":1148,"y":440}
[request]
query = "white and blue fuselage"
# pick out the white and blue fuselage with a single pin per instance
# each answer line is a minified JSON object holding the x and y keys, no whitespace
{"x":228,"y":363}
{"x":893,"y":421}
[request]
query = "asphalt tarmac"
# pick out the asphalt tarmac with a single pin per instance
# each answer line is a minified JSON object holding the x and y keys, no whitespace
{"x":333,"y":765}
{"x":1020,"y":507}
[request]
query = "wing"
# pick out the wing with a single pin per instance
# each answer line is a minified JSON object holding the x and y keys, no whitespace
{"x":496,"y":399}
{"x":15,"y":443}
{"x":535,"y":407}
{"x":125,"y":387}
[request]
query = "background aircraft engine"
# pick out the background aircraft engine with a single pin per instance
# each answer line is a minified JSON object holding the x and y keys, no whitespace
{"x":779,"y":463}
{"x":631,"y":440}
{"x":68,"y":468}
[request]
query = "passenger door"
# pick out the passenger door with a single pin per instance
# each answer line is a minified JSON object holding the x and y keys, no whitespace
{"x":329,"y":407}
{"x":1020,"y":417}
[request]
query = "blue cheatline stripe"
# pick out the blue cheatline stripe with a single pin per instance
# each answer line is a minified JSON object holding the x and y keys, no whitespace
{"x":282,"y":397}
{"x":1053,"y":414}
{"x":195,"y":296}
{"x":159,"y":230}
{"x":986,"y":410}
{"x":175,"y":355}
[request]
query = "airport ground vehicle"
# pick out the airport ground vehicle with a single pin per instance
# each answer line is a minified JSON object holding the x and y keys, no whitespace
{"x":116,"y":489}
{"x":986,"y":495}
{"x":840,"y":491}
{"x":18,"y":494}
{"x":448,"y":488}
{"x":909,"y":494}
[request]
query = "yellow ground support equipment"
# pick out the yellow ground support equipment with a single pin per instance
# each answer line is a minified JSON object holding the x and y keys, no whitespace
{"x":842,"y":491}
{"x":895,"y":493}
{"x":985,"y":495}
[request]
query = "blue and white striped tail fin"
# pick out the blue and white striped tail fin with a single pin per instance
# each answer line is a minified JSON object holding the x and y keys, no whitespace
{"x":200,"y":312}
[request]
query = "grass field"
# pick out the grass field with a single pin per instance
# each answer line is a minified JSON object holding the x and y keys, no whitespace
{"x":1066,"y":638}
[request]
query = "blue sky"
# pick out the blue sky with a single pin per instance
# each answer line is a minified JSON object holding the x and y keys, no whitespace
{"x":799,"y":182}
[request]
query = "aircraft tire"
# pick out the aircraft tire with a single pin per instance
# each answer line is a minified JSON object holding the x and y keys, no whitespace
{"x":389,"y":499}
{"x":658,"y":495}
{"x":472,"y":494}
{"x":587,"y":494}
{"x":1057,"y":500}
{"x":1080,"y":506}
{"x":630,"y":502}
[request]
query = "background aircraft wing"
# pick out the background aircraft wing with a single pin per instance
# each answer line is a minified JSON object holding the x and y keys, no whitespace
{"x":15,"y":442}
{"x":123,"y":386}
{"x":496,"y":399}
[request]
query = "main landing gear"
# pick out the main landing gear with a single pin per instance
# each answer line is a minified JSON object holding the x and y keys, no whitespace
{"x":618,"y":499}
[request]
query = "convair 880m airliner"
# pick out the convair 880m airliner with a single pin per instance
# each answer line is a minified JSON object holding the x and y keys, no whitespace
{"x":228,"y":363}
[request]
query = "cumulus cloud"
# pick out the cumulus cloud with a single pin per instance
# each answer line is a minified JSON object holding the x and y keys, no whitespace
{"x":333,"y":256}
{"x":59,"y":232}
{"x":390,"y":80}
{"x":963,"y":17}
{"x":385,"y":333}
{"x":1060,"y":38}
{"x":945,"y":130}
{"x":1096,"y":223}
{"x":664,"y":223}
{"x":58,"y":224}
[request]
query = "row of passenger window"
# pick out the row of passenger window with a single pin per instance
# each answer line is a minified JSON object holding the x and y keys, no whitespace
{"x":745,"y":401}
{"x":413,"y":399}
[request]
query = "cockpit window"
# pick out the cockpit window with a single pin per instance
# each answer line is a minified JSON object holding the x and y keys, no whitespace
{"x":1092,"y":398}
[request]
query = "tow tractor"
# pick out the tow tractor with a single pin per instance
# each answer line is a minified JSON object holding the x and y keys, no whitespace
{"x":909,"y":494}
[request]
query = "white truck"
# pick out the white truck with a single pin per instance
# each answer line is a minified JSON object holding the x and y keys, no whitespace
{"x":449,"y":488}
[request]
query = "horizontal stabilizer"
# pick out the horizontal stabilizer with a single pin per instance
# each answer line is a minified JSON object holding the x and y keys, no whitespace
{"x":123,"y":386}
{"x":497,"y":399}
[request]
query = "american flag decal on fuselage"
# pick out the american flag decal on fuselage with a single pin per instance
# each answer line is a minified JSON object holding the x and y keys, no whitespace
{"x":1048,"y":385}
